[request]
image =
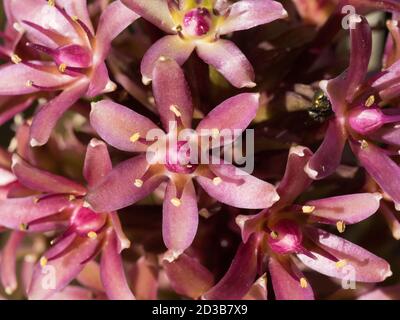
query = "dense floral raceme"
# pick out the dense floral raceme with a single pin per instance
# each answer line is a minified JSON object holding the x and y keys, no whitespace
{"x":200,"y":149}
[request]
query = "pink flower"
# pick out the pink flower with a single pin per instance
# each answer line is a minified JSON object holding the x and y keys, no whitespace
{"x":136,"y":178}
{"x":62,"y":32}
{"x":199,"y":25}
{"x":276,"y":236}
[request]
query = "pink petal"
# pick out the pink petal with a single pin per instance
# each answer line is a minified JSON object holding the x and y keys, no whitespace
{"x":77,"y":8}
{"x":286,"y":281}
{"x":123,"y":241}
{"x":8,"y":262}
{"x":383,"y":170}
{"x":11,"y":108}
{"x":155,"y":11}
{"x":258,"y":290}
{"x":384,"y":293}
{"x":329,"y":155}
{"x":15,"y":78}
{"x":58,"y":273}
{"x":233,"y":115}
{"x":112,"y":271}
{"x":97,"y":163}
{"x":46,"y":119}
{"x":126,"y":123}
{"x":90,"y":276}
{"x":246,"y":14}
{"x":72,"y":293}
{"x":145,"y":280}
{"x":350,"y":208}
{"x":361,"y":264}
{"x":44,"y":181}
{"x":241,"y":190}
{"x":188,"y":277}
{"x":6,"y":177}
{"x":99,"y":81}
{"x":180,"y":221}
{"x":227,"y":58}
{"x":118,"y":190}
{"x":240,"y":276}
{"x":114,"y":19}
{"x":172,"y":47}
{"x":171,"y":89}
{"x":295,"y":181}
{"x":21,"y":211}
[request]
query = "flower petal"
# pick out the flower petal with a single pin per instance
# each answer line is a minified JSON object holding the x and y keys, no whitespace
{"x":126,"y":123}
{"x":46,"y":119}
{"x":97,"y":163}
{"x":188,"y":277}
{"x":233,"y":116}
{"x":350,"y":208}
{"x":112,"y":271}
{"x":246,"y":14}
{"x":360,"y":264}
{"x":227,"y":58}
{"x":172,"y":47}
{"x":8,"y":262}
{"x":329,"y":155}
{"x":118,"y":190}
{"x":385,"y":293}
{"x":72,"y":293}
{"x":155,"y":11}
{"x":286,"y":281}
{"x":241,"y":190}
{"x":295,"y":181}
{"x":56,"y":274}
{"x":144,"y":277}
{"x":90,"y":276}
{"x":240,"y":276}
{"x":44,"y":181}
{"x":11,"y":108}
{"x":171,"y":89}
{"x":20,"y":211}
{"x":114,"y":19}
{"x":383,"y":170}
{"x":180,"y":217}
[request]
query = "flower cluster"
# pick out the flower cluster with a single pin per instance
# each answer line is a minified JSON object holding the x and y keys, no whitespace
{"x":264,"y":166}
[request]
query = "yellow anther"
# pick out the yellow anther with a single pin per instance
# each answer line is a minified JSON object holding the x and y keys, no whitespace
{"x":274,"y":235}
{"x":217,"y":181}
{"x":176,"y":202}
{"x":15,"y":58}
{"x":370,"y":101}
{"x":71,"y":197}
{"x":364,"y":144}
{"x":92,"y":235}
{"x":138,"y":183}
{"x":303,"y":283}
{"x":341,"y":226}
{"x":341,"y":263}
{"x":62,"y":67}
{"x":51,"y":3}
{"x":174,"y":108}
{"x":43,"y":261}
{"x":23,"y":227}
{"x":162,"y":58}
{"x":308,"y":209}
{"x":135,"y":137}
{"x":75,"y":18}
{"x":29,"y":83}
{"x":215,"y":132}
{"x":36,"y":200}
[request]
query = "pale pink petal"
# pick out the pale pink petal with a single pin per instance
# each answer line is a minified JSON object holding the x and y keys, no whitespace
{"x":246,"y":14}
{"x":90,"y":278}
{"x":72,"y":293}
{"x":227,"y":58}
{"x":144,"y":277}
{"x":172,"y":47}
{"x":97,"y":163}
{"x":180,"y":217}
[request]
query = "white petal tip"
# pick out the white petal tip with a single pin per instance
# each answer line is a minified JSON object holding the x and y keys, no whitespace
{"x":298,"y":150}
{"x":378,"y":196}
{"x":14,"y":160}
{"x":95,"y":143}
{"x":9,"y":290}
{"x":250,"y":84}
{"x":172,"y":255}
{"x":34,"y":143}
{"x":146,"y":80}
{"x":110,"y":87}
{"x":87,"y":205}
{"x":313,"y":174}
{"x":324,"y":85}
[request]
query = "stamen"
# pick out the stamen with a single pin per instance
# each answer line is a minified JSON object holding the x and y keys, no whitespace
{"x":176,"y":202}
{"x":364,"y":144}
{"x":43,"y":261}
{"x":308,"y":209}
{"x":71,"y":197}
{"x":75,"y":18}
{"x":303,"y":283}
{"x":138,"y":183}
{"x":135,"y":137}
{"x":274,"y":235}
{"x":215,"y":132}
{"x":92,"y":235}
{"x":341,"y":226}
{"x":23,"y":227}
{"x":341,"y":263}
{"x":62,"y":67}
{"x":15,"y":58}
{"x":51,"y":3}
{"x":217,"y":181}
{"x":370,"y":101}
{"x":174,"y":108}
{"x":29,"y":83}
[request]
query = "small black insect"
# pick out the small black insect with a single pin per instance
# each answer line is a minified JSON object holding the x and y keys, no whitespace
{"x":321,"y":107}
